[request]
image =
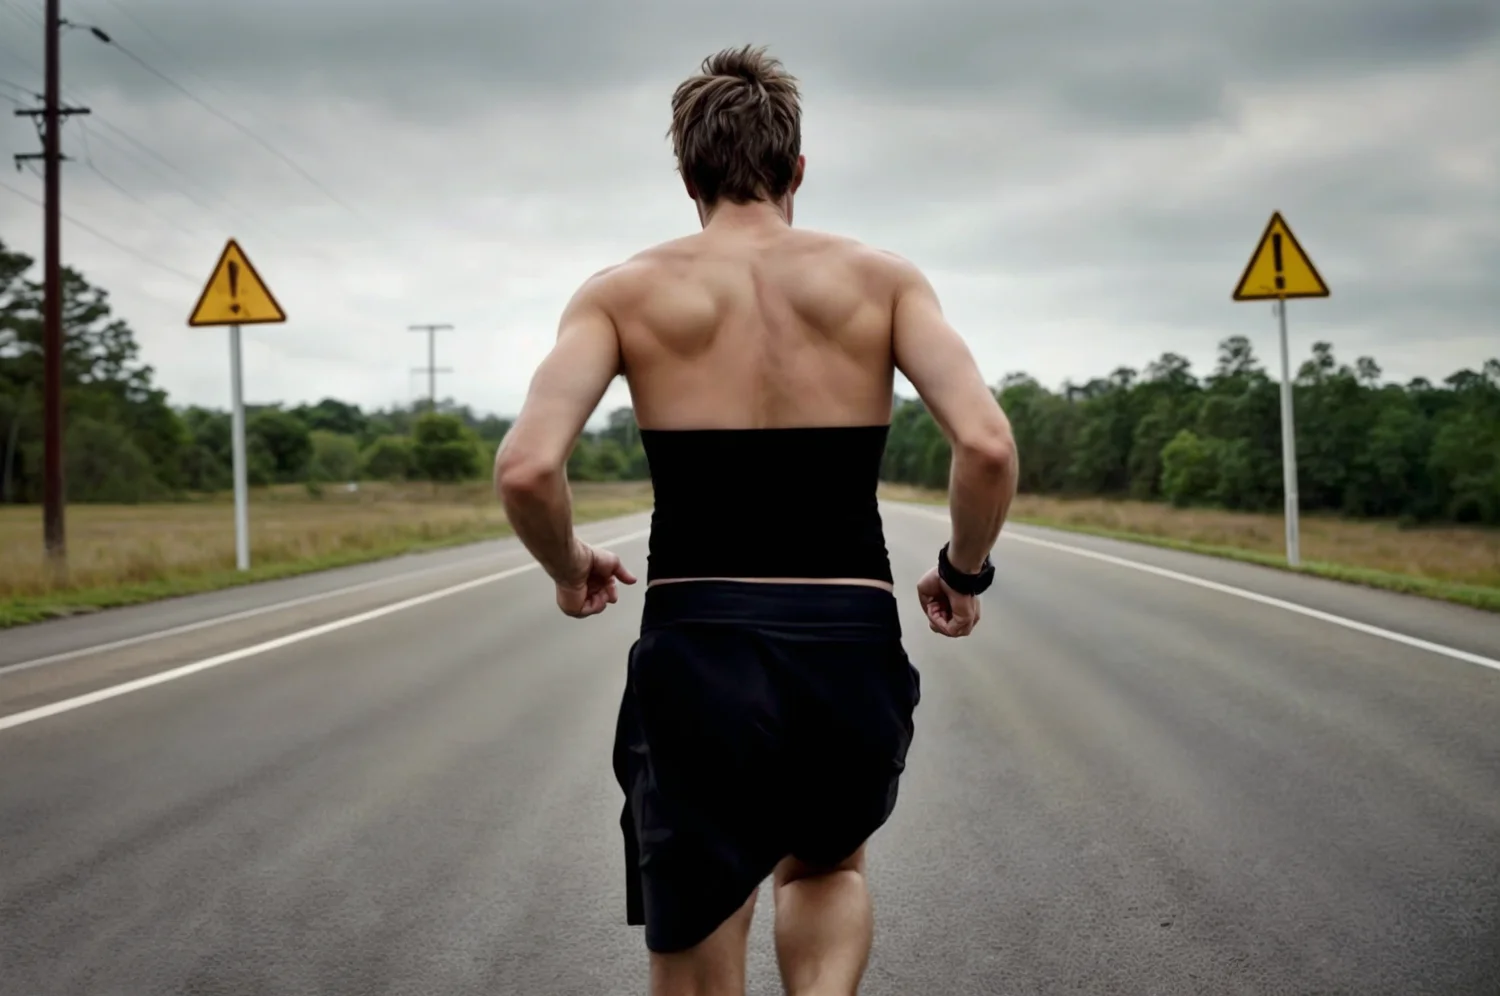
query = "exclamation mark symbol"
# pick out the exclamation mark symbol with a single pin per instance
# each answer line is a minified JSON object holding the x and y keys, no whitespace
{"x":1275,"y":248}
{"x":234,"y":277}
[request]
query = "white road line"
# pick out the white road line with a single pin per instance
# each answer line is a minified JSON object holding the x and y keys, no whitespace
{"x":1224,"y":589}
{"x":114,"y":691}
{"x":291,"y":603}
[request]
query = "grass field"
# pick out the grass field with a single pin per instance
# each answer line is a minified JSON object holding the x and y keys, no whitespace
{"x":119,"y":555}
{"x":1455,"y":564}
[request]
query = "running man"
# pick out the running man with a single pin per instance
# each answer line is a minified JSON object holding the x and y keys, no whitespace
{"x":769,"y":702}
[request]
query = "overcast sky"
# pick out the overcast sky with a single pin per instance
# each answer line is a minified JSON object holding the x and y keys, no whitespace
{"x":1083,"y":180}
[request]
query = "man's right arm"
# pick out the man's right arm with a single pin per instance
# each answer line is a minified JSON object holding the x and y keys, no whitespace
{"x":939,"y":365}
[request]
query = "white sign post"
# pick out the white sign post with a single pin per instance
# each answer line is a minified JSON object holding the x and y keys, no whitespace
{"x":1279,"y":269}
{"x":235,"y":295}
{"x":241,"y":477}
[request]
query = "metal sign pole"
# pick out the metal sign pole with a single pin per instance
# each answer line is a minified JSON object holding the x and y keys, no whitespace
{"x":241,"y":487}
{"x":234,"y":295}
{"x":1277,"y":270}
{"x":1288,"y":447}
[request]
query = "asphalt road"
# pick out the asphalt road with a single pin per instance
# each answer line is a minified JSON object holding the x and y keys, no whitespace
{"x":1123,"y":783}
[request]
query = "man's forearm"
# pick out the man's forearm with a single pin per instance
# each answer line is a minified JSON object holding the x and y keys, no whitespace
{"x":540,"y":510}
{"x":981,"y":486}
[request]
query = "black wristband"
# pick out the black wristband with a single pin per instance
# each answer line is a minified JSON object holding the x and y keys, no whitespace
{"x":965,"y":584}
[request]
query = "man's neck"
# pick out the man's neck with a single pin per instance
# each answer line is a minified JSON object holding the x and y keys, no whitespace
{"x":755,"y":214}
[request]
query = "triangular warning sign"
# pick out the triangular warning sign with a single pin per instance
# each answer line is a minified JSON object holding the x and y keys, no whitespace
{"x":1279,"y":268}
{"x":235,"y":294}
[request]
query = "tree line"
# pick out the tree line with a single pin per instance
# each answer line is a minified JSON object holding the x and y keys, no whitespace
{"x":1420,"y":452}
{"x":124,"y":442}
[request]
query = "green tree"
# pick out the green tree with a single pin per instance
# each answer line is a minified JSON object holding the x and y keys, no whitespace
{"x":334,"y":416}
{"x":335,"y":457}
{"x":104,"y":384}
{"x":285,"y":441}
{"x":104,"y":463}
{"x":1190,"y":469}
{"x":582,"y":464}
{"x":610,"y":459}
{"x":1045,"y":425}
{"x":388,"y":458}
{"x":444,"y":449}
{"x":208,"y":461}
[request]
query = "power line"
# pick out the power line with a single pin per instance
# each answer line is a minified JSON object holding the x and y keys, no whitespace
{"x":204,"y":84}
{"x":125,"y":11}
{"x":160,"y":174}
{"x":126,"y":193}
{"x":242,"y":215}
{"x":105,"y":238}
{"x":31,"y":18}
{"x":228,"y":120}
{"x":88,"y":162}
{"x":22,"y":60}
{"x":139,"y":153}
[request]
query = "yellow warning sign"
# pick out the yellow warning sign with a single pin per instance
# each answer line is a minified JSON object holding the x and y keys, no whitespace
{"x":235,"y":294}
{"x":1279,"y":268}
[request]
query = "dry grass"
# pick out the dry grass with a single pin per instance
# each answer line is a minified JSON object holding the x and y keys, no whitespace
{"x":1449,"y":554}
{"x":112,"y":546}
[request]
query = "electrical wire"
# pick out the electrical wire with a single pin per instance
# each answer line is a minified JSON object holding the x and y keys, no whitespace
{"x":125,"y":11}
{"x":20,"y":60}
{"x":242,"y":215}
{"x":105,"y":238}
{"x":268,"y":146}
{"x":33,"y":19}
{"x":143,"y":156}
{"x":88,"y":161}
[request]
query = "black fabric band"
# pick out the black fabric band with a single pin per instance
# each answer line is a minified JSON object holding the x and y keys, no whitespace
{"x":964,"y":584}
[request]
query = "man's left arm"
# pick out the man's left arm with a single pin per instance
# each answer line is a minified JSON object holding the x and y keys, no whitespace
{"x":531,"y":465}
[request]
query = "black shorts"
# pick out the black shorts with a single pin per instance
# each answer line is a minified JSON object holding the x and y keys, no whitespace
{"x":758,"y":721}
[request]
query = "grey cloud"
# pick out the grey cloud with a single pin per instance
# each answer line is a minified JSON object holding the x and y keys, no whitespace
{"x":1162,"y":60}
{"x":1084,"y":179}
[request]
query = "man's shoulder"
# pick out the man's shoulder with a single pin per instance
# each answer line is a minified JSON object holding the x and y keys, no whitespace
{"x":875,"y":259}
{"x":665,"y":259}
{"x":653,"y":258}
{"x":815,"y":238}
{"x":607,"y":283}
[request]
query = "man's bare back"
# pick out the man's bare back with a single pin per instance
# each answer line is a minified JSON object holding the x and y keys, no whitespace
{"x":764,"y":725}
{"x":755,"y":324}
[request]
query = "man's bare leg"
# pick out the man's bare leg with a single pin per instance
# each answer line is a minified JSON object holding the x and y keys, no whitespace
{"x":714,"y":967}
{"x":825,"y":924}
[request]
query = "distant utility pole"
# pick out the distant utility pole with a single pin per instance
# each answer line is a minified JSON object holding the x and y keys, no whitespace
{"x":431,"y":372}
{"x":49,"y":122}
{"x":432,"y":368}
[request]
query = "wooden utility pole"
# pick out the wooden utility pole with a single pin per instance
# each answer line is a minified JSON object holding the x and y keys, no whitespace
{"x":51,"y":118}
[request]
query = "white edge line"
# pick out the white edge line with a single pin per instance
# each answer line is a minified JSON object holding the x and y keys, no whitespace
{"x":291,"y":603}
{"x":114,"y":691}
{"x":1224,"y":589}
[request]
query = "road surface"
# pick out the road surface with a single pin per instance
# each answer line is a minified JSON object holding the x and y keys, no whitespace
{"x":1125,"y":782}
